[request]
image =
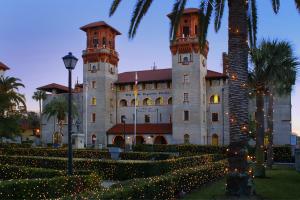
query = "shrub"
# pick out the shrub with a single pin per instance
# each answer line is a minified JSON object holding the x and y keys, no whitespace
{"x":15,"y":145}
{"x":84,"y":153}
{"x":114,"y":170}
{"x":168,"y":186}
{"x":47,"y":188}
{"x":281,"y":153}
{"x":184,"y":149}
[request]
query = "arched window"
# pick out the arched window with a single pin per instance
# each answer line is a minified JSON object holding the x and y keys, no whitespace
{"x":123,"y":103}
{"x":119,"y":141}
{"x":159,"y":101}
{"x":160,"y":140}
{"x":139,"y":140}
{"x":94,"y":101}
{"x":147,"y":102}
{"x":170,"y":101}
{"x":214,"y":99}
{"x":186,"y":138}
{"x":215,"y":140}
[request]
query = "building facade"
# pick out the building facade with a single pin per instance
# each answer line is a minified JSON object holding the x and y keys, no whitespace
{"x":186,"y":103}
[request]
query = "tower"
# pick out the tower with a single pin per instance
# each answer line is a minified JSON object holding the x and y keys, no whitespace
{"x":188,"y":81}
{"x":100,"y":72}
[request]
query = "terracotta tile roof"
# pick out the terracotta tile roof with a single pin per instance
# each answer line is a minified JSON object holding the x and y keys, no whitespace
{"x":3,"y":66}
{"x":99,"y":24}
{"x":158,"y":75}
{"x":187,"y":11}
{"x":141,"y":129}
{"x":59,"y":88}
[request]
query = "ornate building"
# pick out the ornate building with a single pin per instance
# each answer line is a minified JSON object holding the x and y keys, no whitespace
{"x":186,"y":103}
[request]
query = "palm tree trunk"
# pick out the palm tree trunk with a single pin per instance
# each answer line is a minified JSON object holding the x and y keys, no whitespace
{"x":238,"y":177}
{"x":270,"y":131}
{"x":260,"y":129}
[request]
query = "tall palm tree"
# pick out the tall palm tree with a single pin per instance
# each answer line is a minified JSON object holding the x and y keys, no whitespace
{"x":10,"y":98}
{"x":275,"y":68}
{"x":40,"y":96}
{"x":58,"y":108}
{"x":242,"y":21}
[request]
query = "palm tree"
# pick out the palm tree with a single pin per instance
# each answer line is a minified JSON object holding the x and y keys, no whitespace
{"x":275,"y":68}
{"x":9,"y":99}
{"x":242,"y":21}
{"x":58,"y":108}
{"x":40,"y":96}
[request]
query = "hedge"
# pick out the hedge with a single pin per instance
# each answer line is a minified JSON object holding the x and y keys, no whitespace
{"x":47,"y":188}
{"x":169,"y":186}
{"x":114,"y":170}
{"x":19,"y":172}
{"x":182,"y":149}
{"x":93,"y":154}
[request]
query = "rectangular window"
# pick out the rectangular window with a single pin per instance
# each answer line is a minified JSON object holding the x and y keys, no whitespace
{"x":186,"y":115}
{"x":93,"y":117}
{"x":147,"y":119}
{"x":143,"y":86}
{"x":111,"y":101}
{"x":93,"y":84}
{"x":122,"y":118}
{"x":186,"y":31}
{"x":160,"y":117}
{"x":169,"y":85}
{"x":185,"y":78}
{"x":122,"y":88}
{"x":94,"y":101}
{"x":214,"y":117}
{"x":185,"y":97}
{"x":155,"y":85}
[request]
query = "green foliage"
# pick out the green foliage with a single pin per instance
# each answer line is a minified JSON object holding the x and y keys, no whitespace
{"x":168,"y":186}
{"x":113,"y":170}
{"x":185,"y":149}
{"x":47,"y":188}
{"x":92,"y":154}
{"x":281,"y":153}
{"x":8,"y":172}
{"x":14,"y":145}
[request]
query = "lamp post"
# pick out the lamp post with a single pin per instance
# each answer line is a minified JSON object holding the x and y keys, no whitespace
{"x":70,"y":62}
{"x":123,"y":120}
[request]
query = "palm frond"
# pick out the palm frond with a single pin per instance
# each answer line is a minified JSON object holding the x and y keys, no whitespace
{"x":115,"y":4}
{"x":177,"y":11}
{"x":139,"y":13}
{"x":275,"y":5}
{"x":297,"y":2}
{"x":252,"y":23}
{"x":219,"y":10}
{"x":205,"y":13}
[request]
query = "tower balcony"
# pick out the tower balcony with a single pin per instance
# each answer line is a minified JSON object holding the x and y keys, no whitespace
{"x":102,"y":50}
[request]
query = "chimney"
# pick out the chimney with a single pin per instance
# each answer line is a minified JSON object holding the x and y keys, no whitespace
{"x":225,"y":63}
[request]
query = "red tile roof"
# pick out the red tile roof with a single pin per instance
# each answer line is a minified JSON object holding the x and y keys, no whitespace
{"x":187,"y":11}
{"x":3,"y":66}
{"x":158,"y":75}
{"x":141,"y":129}
{"x":99,"y":24}
{"x":59,"y":88}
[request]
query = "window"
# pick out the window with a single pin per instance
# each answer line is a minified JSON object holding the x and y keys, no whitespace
{"x":214,"y":117}
{"x":132,"y":103}
{"x":155,"y":85}
{"x":147,"y":102}
{"x":196,"y":29}
{"x":95,"y":42}
{"x":112,"y":87}
{"x":123,"y":118}
{"x":147,"y":119}
{"x":131,"y":87}
{"x":214,"y":99}
{"x":170,"y":101}
{"x":111,"y":102}
{"x":186,"y":115}
{"x":186,"y":138}
{"x":123,"y":103}
{"x":93,"y":84}
{"x":104,"y":41}
{"x":159,"y":101}
{"x":122,"y":88}
{"x":185,"y":97}
{"x":94,"y":101}
{"x":215,"y":140}
{"x":93,"y":117}
{"x":185,"y":60}
{"x":143,"y":86}
{"x":186,"y":31}
{"x":186,"y":78}
{"x":169,"y":85}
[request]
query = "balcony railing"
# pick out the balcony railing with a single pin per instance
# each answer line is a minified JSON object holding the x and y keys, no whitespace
{"x":100,"y":50}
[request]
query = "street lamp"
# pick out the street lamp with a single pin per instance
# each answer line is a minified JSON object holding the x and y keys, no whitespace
{"x":70,"y":62}
{"x":123,"y":120}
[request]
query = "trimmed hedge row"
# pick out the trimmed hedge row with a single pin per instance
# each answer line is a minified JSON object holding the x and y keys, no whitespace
{"x":181,"y":149}
{"x":169,"y":186}
{"x":47,"y":188}
{"x":19,"y":172}
{"x":114,"y":170}
{"x":93,"y":154}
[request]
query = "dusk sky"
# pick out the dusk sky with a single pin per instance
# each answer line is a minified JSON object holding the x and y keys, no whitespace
{"x":35,"y":35}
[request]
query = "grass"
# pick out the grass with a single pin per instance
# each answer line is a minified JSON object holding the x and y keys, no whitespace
{"x":281,"y":183}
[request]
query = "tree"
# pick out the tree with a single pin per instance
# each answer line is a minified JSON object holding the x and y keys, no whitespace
{"x":242,"y":21}
{"x":275,"y":68}
{"x":40,"y":96}
{"x":10,"y":99}
{"x":58,"y":108}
